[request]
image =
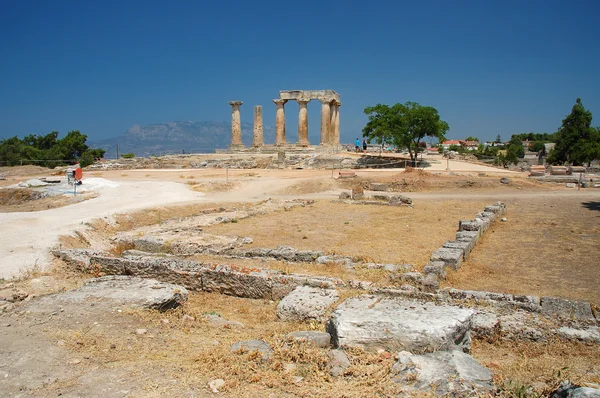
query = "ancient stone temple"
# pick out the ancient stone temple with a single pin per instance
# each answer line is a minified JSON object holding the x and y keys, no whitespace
{"x":330,"y":119}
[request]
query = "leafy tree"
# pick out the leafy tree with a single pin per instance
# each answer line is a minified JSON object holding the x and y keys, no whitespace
{"x":471,"y":138}
{"x":404,"y":125}
{"x":576,"y":141}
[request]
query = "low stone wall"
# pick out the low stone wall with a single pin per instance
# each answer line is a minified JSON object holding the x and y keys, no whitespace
{"x":452,"y":253}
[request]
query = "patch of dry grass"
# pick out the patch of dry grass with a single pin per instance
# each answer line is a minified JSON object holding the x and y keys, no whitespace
{"x":541,"y":365}
{"x":193,"y":352}
{"x":548,"y":247}
{"x":214,"y":186}
{"x":383,"y":234}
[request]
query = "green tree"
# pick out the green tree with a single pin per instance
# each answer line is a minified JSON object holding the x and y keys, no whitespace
{"x":577,"y":141}
{"x":498,"y":139}
{"x":471,"y":138}
{"x":404,"y":125}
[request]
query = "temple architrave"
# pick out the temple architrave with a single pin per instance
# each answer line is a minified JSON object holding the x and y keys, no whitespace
{"x":330,"y":119}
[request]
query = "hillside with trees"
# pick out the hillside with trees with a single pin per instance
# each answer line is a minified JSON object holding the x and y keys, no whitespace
{"x":48,"y":150}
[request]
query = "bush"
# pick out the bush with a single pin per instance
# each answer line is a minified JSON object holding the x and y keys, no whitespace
{"x":130,"y":155}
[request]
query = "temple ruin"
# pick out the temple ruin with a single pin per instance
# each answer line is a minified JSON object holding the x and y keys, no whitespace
{"x":330,"y":119}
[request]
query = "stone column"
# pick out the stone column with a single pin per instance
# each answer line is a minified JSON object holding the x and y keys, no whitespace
{"x":325,"y":120}
{"x":336,"y":124}
{"x":258,"y":126}
{"x":280,"y":122}
{"x":303,"y":122}
{"x":236,"y":125}
{"x":333,"y":108}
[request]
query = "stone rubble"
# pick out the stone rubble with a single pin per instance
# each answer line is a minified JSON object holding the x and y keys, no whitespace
{"x":306,"y":303}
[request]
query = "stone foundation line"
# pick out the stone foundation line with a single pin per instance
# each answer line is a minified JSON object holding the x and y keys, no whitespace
{"x":330,"y":119}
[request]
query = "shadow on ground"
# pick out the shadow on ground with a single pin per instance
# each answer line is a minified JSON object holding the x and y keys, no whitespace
{"x":591,"y":205}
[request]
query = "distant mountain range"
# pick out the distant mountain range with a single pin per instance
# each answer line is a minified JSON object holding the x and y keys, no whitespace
{"x":177,"y":137}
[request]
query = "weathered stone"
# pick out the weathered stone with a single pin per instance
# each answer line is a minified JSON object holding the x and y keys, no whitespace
{"x":333,"y":259}
{"x":436,"y":267}
{"x":306,"y":303}
{"x":590,"y":334}
{"x":401,"y":199}
{"x":345,"y":195}
{"x":381,"y":197}
{"x":485,"y":324}
{"x":465,"y":247}
{"x":218,"y":321}
{"x":414,"y":277}
{"x":390,"y":267}
{"x":567,"y":309}
{"x":444,"y":373}
{"x":496,"y":209}
{"x":319,"y":339}
{"x":127,"y":291}
{"x":225,"y":279}
{"x":451,"y":257}
{"x":469,"y":225}
{"x":431,"y":283}
{"x":338,"y":362}
{"x":504,"y":180}
{"x":568,"y":390}
{"x":253,"y":346}
{"x":373,"y":322}
{"x":468,"y":235}
{"x":379,"y":187}
{"x":78,"y":259}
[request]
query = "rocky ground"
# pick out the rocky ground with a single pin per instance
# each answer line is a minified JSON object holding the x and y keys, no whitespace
{"x":191,"y":305}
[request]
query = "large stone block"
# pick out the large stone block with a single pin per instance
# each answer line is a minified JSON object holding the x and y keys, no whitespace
{"x":451,"y":257}
{"x":319,"y":339}
{"x":306,"y":303}
{"x":468,"y":235}
{"x":374,"y":322}
{"x":442,"y":373}
{"x":223,"y":279}
{"x":128,"y":291}
{"x":567,"y":309}
{"x":435,"y":267}
{"x":469,"y":225}
{"x":465,"y":246}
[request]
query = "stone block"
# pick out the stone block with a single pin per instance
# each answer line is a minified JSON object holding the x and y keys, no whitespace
{"x":338,"y":362}
{"x":358,"y":192}
{"x":436,"y":267}
{"x":567,"y":309}
{"x":374,"y":322}
{"x":379,"y":187}
{"x":431,"y":283}
{"x":451,"y":257}
{"x":306,"y":303}
{"x":224,"y":279}
{"x":78,"y":259}
{"x":130,"y":291}
{"x":468,"y":235}
{"x":319,"y":339}
{"x":442,"y":373}
{"x":469,"y":225}
{"x":259,"y":346}
{"x":590,"y":334}
{"x":496,"y":209}
{"x":465,"y":246}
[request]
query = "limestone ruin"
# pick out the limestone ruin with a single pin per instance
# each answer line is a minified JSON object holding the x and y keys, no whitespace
{"x":330,"y":119}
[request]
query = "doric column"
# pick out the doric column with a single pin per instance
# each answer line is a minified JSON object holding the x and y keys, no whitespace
{"x":236,"y":126}
{"x":325,"y":120}
{"x":258,"y":126}
{"x":333,"y":108}
{"x":336,"y":124}
{"x":303,"y":122}
{"x":280,"y":122}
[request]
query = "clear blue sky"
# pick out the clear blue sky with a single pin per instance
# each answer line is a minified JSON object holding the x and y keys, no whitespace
{"x":489,"y":67}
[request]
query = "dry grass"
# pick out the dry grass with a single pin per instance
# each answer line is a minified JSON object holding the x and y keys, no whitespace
{"x":542,"y":365}
{"x":548,"y":247}
{"x":27,"y":200}
{"x":194,"y":352}
{"x":373,"y":233}
{"x":214,"y":186}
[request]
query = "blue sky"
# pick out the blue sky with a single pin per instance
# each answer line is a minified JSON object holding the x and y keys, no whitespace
{"x":489,"y":67}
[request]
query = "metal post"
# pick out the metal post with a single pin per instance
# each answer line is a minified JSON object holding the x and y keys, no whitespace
{"x":227,"y":174}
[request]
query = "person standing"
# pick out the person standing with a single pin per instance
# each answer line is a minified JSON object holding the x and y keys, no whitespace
{"x":357,"y":145}
{"x":365,"y":146}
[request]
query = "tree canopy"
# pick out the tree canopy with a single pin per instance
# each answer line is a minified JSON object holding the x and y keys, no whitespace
{"x":48,"y":150}
{"x":577,"y":141}
{"x":404,"y":125}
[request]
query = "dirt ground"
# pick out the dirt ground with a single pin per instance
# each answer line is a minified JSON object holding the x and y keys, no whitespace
{"x":548,"y":246}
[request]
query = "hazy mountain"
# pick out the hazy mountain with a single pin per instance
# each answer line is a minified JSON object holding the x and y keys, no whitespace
{"x":176,"y":137}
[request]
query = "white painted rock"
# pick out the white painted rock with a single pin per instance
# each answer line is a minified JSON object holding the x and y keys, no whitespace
{"x":306,"y":303}
{"x":373,"y":322}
